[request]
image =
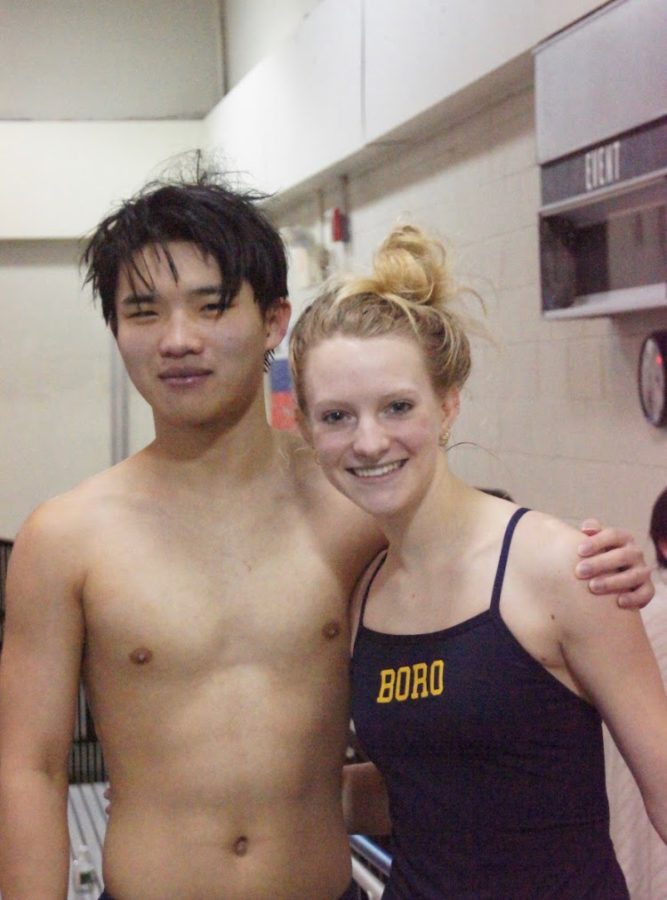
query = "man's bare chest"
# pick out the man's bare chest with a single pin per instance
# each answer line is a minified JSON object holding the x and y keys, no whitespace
{"x":223,"y":594}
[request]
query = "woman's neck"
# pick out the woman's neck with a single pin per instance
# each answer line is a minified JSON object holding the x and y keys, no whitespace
{"x":441,"y":525}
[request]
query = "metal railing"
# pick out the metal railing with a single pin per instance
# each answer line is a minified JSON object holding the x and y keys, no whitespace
{"x":371,"y":853}
{"x":370,"y":866}
{"x":85,"y":764}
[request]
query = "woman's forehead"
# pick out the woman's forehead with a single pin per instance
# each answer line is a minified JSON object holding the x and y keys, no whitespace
{"x":344,"y":363}
{"x":343,"y":349}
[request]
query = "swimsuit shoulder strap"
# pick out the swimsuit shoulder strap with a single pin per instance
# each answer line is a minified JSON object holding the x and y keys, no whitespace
{"x":376,"y":565}
{"x":504,"y":554}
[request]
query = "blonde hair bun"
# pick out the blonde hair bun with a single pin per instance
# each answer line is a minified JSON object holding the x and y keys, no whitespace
{"x":408,"y":265}
{"x":406,"y":295}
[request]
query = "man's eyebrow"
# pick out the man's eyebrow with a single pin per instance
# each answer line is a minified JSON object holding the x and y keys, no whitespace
{"x":207,"y":290}
{"x":137,"y":299}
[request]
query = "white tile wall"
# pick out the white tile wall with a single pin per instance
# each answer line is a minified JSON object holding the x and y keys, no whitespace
{"x":552,"y":411}
{"x":54,"y":378}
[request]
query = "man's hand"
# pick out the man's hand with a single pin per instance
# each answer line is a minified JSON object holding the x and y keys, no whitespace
{"x":107,"y":796}
{"x":614,"y":564}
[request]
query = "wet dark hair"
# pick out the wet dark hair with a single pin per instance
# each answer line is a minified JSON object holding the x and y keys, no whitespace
{"x":223,"y":222}
{"x":658,"y":527}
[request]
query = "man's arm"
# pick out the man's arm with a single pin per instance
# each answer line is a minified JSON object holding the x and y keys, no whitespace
{"x":39,"y":676}
{"x":613,"y":564}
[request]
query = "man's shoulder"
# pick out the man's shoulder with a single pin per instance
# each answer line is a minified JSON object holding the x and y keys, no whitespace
{"x":294,"y":448}
{"x":308,"y":481}
{"x":297,"y":467}
{"x":318,"y":500}
{"x":72,"y":514}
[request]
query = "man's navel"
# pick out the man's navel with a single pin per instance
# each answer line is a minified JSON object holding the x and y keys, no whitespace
{"x":240,"y":846}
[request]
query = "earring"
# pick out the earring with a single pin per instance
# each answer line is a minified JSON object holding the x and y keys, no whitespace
{"x":443,"y":440}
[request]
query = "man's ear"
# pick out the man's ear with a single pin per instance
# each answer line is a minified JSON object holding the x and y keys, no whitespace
{"x":276,"y":320}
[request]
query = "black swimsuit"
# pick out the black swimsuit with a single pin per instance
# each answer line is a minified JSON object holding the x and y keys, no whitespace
{"x":494,"y":768}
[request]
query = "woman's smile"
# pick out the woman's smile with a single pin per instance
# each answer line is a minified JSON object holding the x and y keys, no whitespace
{"x":374,"y":420}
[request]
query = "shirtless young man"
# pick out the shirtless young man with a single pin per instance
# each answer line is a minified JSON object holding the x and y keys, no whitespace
{"x":200,"y":587}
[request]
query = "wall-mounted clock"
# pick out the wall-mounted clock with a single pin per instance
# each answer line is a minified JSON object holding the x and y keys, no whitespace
{"x":652,"y":378}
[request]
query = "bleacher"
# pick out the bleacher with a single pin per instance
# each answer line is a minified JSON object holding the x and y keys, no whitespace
{"x":87,"y":824}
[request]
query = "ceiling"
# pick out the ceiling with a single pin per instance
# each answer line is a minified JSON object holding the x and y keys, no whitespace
{"x":109,"y":59}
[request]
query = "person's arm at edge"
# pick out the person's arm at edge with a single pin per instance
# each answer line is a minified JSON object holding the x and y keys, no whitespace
{"x":39,"y":676}
{"x":608,"y":653}
{"x":612,"y":563}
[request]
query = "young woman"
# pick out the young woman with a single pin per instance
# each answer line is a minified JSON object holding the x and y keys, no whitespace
{"x":480,"y":667}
